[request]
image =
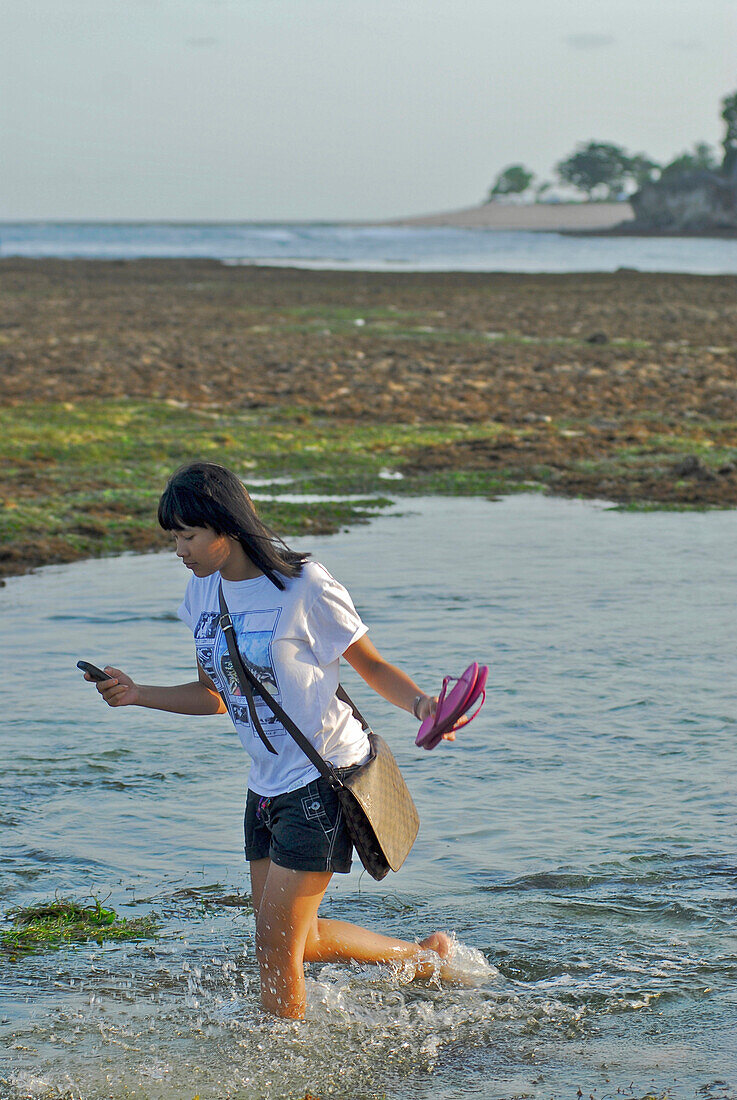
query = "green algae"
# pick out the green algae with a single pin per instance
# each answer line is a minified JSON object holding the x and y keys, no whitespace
{"x":83,"y":479}
{"x":51,"y":925}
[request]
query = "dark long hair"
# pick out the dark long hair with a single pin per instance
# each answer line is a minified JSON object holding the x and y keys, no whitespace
{"x":204,"y":494}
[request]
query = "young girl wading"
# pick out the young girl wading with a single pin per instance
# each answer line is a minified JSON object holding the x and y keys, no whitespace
{"x":293,"y":623}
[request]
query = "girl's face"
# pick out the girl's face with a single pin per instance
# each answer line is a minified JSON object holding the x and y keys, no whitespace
{"x":204,"y":551}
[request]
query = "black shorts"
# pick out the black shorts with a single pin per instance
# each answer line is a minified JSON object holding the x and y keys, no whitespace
{"x":304,"y":830}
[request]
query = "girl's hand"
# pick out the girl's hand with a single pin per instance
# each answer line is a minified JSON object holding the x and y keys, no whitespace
{"x":427,"y":705}
{"x":119,"y":690}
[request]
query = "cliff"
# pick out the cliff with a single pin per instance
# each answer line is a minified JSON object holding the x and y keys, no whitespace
{"x":691,"y":202}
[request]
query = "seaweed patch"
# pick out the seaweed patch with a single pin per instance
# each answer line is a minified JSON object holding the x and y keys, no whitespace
{"x":55,"y":924}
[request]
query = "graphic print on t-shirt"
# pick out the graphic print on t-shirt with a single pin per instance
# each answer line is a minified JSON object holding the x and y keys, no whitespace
{"x":254,"y":631}
{"x":207,"y":626}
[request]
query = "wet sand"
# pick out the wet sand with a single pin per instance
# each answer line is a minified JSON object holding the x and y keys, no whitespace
{"x":613,"y":386}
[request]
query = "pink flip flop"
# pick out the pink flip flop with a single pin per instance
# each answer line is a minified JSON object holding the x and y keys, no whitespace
{"x":452,"y":709}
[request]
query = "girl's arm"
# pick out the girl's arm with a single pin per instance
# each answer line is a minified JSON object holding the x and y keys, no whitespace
{"x":198,"y":697}
{"x":388,"y":680}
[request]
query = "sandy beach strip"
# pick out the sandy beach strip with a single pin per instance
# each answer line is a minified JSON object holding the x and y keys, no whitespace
{"x":542,"y":217}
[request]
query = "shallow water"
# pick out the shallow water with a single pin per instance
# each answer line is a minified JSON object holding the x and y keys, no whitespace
{"x":580,"y":834}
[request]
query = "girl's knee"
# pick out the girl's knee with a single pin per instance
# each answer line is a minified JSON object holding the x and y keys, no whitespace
{"x":270,"y":937}
{"x":277,"y":941}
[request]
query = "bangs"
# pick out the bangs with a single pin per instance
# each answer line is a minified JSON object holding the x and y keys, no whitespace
{"x":180,"y":507}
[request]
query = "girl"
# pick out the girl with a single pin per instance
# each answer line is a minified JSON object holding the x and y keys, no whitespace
{"x":293,"y":622}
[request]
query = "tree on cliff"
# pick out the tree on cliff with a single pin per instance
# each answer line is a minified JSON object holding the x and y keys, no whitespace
{"x":513,"y":180}
{"x":701,"y":159}
{"x":729,"y":114}
{"x":596,"y":167}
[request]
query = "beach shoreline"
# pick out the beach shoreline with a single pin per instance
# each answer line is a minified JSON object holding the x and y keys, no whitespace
{"x":542,"y":217}
{"x":619,"y":387}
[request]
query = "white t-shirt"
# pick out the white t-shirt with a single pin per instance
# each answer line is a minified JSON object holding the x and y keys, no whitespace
{"x":292,"y":641}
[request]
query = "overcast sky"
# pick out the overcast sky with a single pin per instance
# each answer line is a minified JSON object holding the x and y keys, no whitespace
{"x":299,"y":109}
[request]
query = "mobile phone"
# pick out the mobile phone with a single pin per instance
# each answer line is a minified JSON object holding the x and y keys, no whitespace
{"x":95,"y":672}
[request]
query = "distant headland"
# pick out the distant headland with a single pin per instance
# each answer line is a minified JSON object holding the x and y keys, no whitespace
{"x":694,"y":195}
{"x":695,"y":205}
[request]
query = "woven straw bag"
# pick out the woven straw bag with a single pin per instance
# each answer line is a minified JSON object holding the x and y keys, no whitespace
{"x":379,"y":812}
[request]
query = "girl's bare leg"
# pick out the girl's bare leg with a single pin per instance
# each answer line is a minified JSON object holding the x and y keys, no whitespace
{"x":286,"y":911}
{"x":259,"y":869}
{"x":290,"y":933}
{"x":337,"y":940}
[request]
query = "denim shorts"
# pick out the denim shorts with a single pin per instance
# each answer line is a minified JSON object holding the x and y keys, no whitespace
{"x":304,"y":830}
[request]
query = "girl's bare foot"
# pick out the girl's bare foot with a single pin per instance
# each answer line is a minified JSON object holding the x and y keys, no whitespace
{"x":439,"y":942}
{"x":431,"y":963}
{"x":457,"y":963}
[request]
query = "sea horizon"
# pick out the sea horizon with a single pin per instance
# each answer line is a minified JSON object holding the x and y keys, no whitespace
{"x":366,"y":246}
